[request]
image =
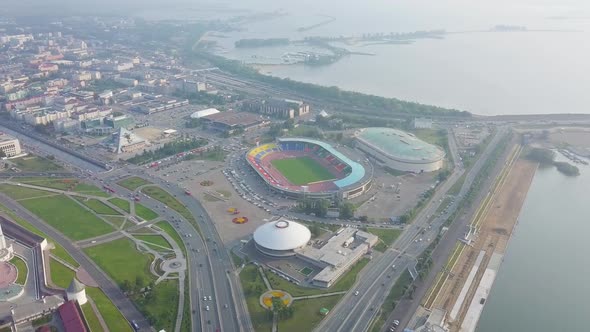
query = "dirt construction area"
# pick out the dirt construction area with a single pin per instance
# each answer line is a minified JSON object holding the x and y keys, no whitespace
{"x":495,"y":223}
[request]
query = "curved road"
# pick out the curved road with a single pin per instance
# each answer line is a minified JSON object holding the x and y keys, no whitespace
{"x":108,"y":286}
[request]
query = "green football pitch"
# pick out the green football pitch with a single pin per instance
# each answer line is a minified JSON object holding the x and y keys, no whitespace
{"x":302,"y":170}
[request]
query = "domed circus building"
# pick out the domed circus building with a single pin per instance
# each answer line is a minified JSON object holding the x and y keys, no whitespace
{"x":281,"y":238}
{"x":400,"y":150}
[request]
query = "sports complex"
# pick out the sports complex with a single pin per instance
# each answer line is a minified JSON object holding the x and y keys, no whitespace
{"x":399,"y":150}
{"x":301,"y":167}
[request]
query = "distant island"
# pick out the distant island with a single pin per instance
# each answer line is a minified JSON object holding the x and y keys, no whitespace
{"x":508,"y":28}
{"x":256,"y":42}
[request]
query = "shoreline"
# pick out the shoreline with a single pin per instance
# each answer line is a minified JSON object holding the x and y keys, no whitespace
{"x":469,"y":277}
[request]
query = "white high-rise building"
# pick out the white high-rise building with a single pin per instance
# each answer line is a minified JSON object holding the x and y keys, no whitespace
{"x":6,"y":251}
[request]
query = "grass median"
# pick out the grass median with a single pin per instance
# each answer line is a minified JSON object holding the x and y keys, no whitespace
{"x":133,"y":182}
{"x":22,"y":269}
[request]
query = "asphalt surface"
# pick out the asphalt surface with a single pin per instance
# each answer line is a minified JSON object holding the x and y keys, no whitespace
{"x":46,"y":149}
{"x":108,"y":286}
{"x":406,"y":308}
{"x":356,"y":312}
{"x":210,"y":267}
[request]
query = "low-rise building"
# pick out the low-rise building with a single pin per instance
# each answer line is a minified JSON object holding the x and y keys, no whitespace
{"x":231,"y":121}
{"x":9,"y":145}
{"x":282,"y":108}
{"x":117,"y":122}
{"x":338,"y":254}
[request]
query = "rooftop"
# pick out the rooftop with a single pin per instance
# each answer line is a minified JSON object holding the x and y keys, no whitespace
{"x":282,"y":234}
{"x":233,"y":118}
{"x":5,"y":137}
{"x":400,"y":145}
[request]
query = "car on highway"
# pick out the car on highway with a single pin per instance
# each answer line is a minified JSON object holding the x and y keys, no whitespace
{"x":356,"y":293}
{"x":207,"y":308}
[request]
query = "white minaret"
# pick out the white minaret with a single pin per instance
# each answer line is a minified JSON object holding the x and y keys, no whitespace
{"x":76,"y":291}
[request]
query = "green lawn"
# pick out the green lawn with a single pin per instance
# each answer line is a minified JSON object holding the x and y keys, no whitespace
{"x":133,"y":182}
{"x":307,"y":314}
{"x":98,"y":206}
{"x":302,"y":170}
{"x":166,"y":227}
{"x":58,"y":250}
{"x":17,"y":192}
{"x":112,"y":316}
{"x":154,"y":239}
{"x":91,"y":317}
{"x":21,"y":267}
{"x":89,"y":189}
{"x":343,"y":284}
{"x":120,"y":260}
{"x":61,"y":275}
{"x":144,"y":212}
{"x":117,"y":221}
{"x":122,"y":204}
{"x":165,"y":198}
{"x":35,"y":164}
{"x":54,"y":183}
{"x":387,"y":235}
{"x":162,"y":305}
{"x":253,"y":287}
{"x":68,"y":217}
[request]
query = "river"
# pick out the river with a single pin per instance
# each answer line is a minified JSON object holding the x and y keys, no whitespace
{"x":542,"y":284}
{"x":482,"y":72}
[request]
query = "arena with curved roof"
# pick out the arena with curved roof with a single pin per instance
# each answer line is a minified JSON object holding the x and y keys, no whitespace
{"x":400,"y":150}
{"x":281,"y":237}
{"x":301,"y":167}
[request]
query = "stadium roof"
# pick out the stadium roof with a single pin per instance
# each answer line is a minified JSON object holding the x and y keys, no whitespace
{"x":282,"y":234}
{"x":357,"y":170}
{"x":400,"y":145}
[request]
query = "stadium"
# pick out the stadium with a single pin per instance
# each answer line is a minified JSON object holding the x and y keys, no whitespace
{"x":306,"y":168}
{"x":400,"y":150}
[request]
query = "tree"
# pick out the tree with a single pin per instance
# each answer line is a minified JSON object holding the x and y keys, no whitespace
{"x":321,"y":207}
{"x":2,"y":154}
{"x":347,"y":210}
{"x":139,"y":282}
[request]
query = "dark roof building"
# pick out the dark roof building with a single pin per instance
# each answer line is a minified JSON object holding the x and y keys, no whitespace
{"x":230,"y":121}
{"x":71,"y":317}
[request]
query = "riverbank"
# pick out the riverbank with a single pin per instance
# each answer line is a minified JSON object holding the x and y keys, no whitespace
{"x":461,"y":289}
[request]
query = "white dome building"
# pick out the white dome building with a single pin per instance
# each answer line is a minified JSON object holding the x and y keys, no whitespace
{"x":281,"y":237}
{"x":76,"y":291}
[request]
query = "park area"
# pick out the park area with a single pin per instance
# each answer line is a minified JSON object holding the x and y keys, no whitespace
{"x":306,"y":312}
{"x":73,"y":221}
{"x":302,"y":170}
{"x":129,"y":268}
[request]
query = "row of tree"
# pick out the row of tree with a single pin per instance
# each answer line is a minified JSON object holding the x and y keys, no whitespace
{"x":168,"y":149}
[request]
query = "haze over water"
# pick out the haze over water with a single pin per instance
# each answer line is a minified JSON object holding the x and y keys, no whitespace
{"x":482,"y":72}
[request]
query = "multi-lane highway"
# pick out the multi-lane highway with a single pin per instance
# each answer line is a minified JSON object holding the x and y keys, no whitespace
{"x":212,"y":281}
{"x":356,"y":312}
